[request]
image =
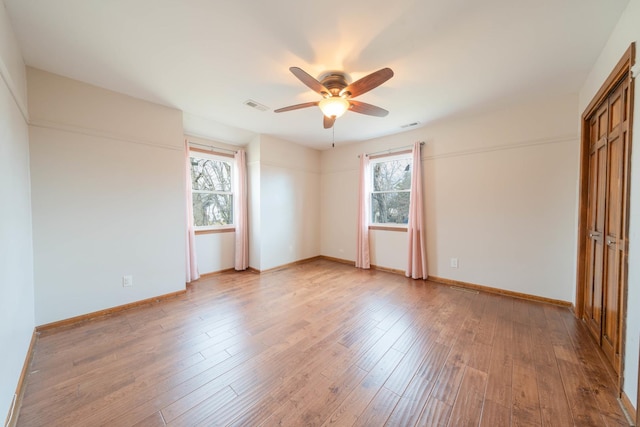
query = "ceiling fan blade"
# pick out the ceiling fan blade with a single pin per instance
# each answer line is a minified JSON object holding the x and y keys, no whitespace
{"x":368,"y":109}
{"x":310,"y":81}
{"x":295,"y":107}
{"x":329,"y":121}
{"x":367,"y":83}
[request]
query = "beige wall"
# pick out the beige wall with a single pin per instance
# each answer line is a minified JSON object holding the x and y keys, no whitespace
{"x":500,"y":195}
{"x":17,"y":318}
{"x":626,"y":32}
{"x":254,"y":202}
{"x":290,"y":207}
{"x":283,"y":188}
{"x":284,"y":181}
{"x":11,"y":64}
{"x":107,"y":176}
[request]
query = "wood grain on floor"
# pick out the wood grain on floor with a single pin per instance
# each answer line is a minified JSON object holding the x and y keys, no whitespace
{"x":322,"y":344}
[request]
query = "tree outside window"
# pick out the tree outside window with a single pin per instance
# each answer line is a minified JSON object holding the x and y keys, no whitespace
{"x":391,"y":190}
{"x":212,"y":190}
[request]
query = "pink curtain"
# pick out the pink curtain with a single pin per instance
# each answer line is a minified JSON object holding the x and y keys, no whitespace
{"x":363,"y":259}
{"x":192,"y":260}
{"x":417,"y":257}
{"x":240,"y":212}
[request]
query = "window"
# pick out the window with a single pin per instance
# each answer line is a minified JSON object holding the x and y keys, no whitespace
{"x":390,"y":189}
{"x":212,"y":190}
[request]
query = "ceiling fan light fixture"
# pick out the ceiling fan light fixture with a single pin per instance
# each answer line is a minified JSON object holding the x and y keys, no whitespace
{"x":337,"y":94}
{"x":334,"y":106}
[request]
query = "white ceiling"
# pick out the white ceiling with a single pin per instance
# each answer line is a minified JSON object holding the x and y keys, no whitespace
{"x":206,"y":57}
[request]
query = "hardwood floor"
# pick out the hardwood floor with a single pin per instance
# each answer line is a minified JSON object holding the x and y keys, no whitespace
{"x":323,"y":344}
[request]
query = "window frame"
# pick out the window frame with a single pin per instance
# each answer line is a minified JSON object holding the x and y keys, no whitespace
{"x":373,"y":160}
{"x":220,"y":157}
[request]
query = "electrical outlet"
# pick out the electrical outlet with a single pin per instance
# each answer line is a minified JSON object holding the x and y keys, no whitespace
{"x":454,"y":262}
{"x":127,"y":281}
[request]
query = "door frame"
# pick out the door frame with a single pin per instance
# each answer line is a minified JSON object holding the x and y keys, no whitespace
{"x":621,"y":71}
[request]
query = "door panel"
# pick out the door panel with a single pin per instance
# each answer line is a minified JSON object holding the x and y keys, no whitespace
{"x":611,"y":265}
{"x":591,"y":244}
{"x":596,"y":215}
{"x":611,"y":330}
{"x":606,"y":222}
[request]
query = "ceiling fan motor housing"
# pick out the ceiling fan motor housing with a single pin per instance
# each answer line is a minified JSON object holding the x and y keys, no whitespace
{"x":337,"y":92}
{"x":334,"y":81}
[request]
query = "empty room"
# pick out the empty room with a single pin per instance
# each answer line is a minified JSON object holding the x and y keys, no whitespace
{"x":363,"y":213}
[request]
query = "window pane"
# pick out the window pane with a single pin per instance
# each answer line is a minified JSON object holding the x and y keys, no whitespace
{"x":390,"y":208}
{"x":212,"y":209}
{"x":210,"y":175}
{"x":392,"y":175}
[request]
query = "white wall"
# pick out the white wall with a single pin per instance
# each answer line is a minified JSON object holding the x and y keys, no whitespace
{"x":387,"y":249}
{"x":339,"y":202}
{"x":11,"y":64}
{"x":107,"y":176}
{"x":500,"y":195}
{"x":253,"y":181}
{"x":290,"y":206}
{"x":626,"y":32}
{"x":285,"y":199}
{"x":16,"y":250}
{"x":214,"y":251}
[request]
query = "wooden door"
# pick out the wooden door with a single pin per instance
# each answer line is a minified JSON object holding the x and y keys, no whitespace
{"x":596,"y":220}
{"x":606,"y":221}
{"x":615,"y":236}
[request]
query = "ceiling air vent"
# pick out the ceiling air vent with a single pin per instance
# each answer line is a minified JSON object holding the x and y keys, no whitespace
{"x":410,"y":125}
{"x":253,"y":104}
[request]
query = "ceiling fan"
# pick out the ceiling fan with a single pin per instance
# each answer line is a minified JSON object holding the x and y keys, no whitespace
{"x":337,"y":93}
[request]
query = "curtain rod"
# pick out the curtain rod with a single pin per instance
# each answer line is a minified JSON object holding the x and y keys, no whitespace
{"x":212,"y":148}
{"x":390,"y":150}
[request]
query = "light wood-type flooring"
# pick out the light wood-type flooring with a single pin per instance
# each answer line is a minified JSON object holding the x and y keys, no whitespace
{"x":323,"y":344}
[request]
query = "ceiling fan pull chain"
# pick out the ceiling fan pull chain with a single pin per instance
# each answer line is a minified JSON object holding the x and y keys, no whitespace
{"x":333,"y":131}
